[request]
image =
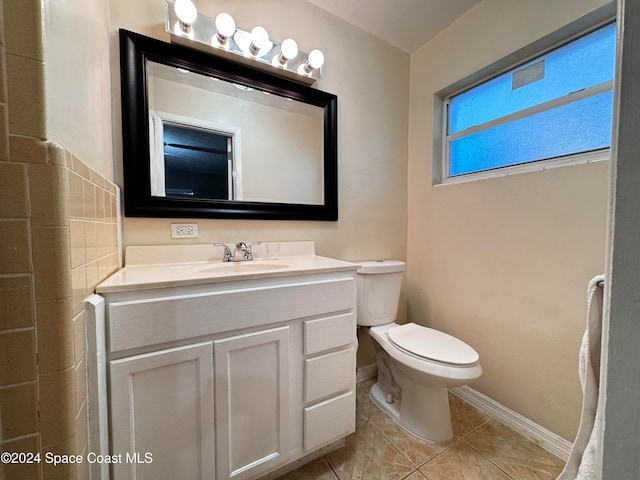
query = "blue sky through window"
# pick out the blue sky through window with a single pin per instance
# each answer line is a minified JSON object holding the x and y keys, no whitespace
{"x":576,"y":127}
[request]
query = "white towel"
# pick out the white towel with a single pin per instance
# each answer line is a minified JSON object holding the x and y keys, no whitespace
{"x":581,"y":464}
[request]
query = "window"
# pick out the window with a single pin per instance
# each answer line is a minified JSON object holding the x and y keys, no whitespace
{"x":557,"y":105}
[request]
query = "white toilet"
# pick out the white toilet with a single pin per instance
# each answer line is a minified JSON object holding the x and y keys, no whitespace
{"x":415,"y":364}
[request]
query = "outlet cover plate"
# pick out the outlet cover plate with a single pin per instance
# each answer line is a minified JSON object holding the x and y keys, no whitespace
{"x":184,"y":230}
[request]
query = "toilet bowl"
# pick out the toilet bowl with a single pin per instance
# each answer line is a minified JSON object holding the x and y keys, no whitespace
{"x":415,"y":364}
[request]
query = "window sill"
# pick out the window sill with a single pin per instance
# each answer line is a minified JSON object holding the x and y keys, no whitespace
{"x":580,"y":159}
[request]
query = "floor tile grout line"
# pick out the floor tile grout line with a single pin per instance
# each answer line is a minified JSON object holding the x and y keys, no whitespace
{"x":393,"y":444}
{"x":475,"y":429}
{"x":497,"y":422}
{"x":455,"y":441}
{"x":440,"y":453}
{"x":331,"y":466}
{"x":489,"y":460}
{"x":464,"y":439}
{"x":390,"y":440}
{"x":433,"y":457}
{"x":411,"y":473}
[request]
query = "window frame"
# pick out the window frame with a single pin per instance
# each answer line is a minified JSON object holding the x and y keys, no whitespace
{"x":565,"y":35}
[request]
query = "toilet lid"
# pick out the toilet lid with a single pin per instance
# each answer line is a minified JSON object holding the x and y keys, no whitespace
{"x":432,"y":344}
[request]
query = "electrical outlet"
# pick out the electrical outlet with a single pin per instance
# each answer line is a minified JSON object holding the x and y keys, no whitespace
{"x":184,"y":230}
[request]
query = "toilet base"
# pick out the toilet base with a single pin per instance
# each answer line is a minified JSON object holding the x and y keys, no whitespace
{"x":422,"y":410}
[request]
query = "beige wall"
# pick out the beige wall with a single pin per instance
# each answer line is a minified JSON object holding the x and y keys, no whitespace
{"x":370,"y":79}
{"x":504,"y":263}
{"x":77,"y":79}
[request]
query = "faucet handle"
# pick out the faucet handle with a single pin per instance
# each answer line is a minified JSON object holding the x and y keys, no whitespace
{"x":248,"y":253}
{"x":227,"y":256}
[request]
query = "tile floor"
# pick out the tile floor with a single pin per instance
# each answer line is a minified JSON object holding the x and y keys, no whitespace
{"x":482,"y":449}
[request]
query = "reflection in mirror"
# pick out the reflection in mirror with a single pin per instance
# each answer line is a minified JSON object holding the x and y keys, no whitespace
{"x":205,"y":137}
{"x":197,"y":163}
{"x":191,"y":158}
{"x":281,"y":140}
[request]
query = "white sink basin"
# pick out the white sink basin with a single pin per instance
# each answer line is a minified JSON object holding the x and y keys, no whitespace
{"x":241,"y":267}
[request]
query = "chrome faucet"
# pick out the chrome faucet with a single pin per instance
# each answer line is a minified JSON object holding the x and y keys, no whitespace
{"x":245,"y":250}
{"x":227,"y":256}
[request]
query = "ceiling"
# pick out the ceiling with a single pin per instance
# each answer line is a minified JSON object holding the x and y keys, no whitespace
{"x":405,"y":24}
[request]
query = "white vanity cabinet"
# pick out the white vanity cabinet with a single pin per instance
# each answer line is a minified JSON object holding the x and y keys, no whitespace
{"x":229,"y":379}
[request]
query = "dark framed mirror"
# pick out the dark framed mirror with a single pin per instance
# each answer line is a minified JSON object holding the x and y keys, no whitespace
{"x":204,"y":137}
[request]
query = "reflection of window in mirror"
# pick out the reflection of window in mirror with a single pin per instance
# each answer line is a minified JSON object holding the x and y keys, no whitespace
{"x":192,"y":158}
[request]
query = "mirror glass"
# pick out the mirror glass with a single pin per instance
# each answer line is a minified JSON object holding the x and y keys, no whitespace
{"x":206,"y":137}
{"x":215,"y":139}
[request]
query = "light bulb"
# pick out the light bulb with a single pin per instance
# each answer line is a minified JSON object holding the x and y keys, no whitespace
{"x":259,"y":40}
{"x":186,"y":11}
{"x":225,"y":25}
{"x":289,"y":49}
{"x":316,"y":59}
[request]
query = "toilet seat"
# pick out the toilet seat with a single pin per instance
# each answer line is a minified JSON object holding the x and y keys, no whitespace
{"x":432,"y":345}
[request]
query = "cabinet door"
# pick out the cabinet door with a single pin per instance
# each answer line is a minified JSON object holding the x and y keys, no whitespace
{"x":162,"y":405}
{"x":252,"y":417}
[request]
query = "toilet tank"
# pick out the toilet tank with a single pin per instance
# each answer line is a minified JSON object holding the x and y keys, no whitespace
{"x":379,"y":285}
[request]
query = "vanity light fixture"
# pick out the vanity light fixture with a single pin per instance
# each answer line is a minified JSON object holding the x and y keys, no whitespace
{"x":187,"y":13}
{"x":220,"y":36}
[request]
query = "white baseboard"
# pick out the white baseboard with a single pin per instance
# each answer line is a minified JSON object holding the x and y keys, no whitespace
{"x":525,"y":427}
{"x":366,"y":372}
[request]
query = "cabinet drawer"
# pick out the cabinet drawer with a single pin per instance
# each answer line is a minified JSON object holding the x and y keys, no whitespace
{"x":329,"y":333}
{"x":329,"y":420}
{"x":152,"y":321}
{"x":329,"y":374}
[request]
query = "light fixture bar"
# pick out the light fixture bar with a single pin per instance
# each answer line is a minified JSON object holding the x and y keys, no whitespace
{"x":267,"y":55}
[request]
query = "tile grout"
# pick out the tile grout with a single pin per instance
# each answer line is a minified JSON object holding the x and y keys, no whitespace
{"x":460,"y":454}
{"x":453,"y":443}
{"x":331,"y":467}
{"x":458,"y":441}
{"x":490,"y":461}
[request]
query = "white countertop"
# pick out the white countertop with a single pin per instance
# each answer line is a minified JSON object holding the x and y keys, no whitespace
{"x":174,"y":271}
